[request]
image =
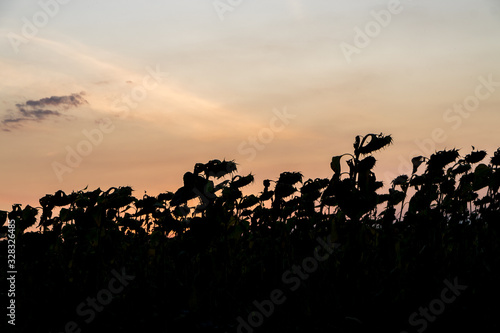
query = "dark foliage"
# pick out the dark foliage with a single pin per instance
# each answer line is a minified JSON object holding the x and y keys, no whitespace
{"x":202,"y":254}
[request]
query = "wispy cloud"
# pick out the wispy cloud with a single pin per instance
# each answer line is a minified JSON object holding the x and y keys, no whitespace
{"x":72,"y":100}
{"x":36,"y":110}
{"x":38,"y":114}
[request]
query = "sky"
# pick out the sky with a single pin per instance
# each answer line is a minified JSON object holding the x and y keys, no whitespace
{"x":134,"y":93}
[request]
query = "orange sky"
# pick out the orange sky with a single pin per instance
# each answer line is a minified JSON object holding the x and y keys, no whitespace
{"x":275,"y":85}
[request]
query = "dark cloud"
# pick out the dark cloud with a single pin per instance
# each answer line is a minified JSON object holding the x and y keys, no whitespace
{"x":34,"y":110}
{"x":16,"y":120}
{"x":38,"y":114}
{"x":72,"y":100}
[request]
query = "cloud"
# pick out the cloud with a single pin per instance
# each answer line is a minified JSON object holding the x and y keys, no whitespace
{"x":64,"y":101}
{"x":37,"y":114}
{"x":34,"y":110}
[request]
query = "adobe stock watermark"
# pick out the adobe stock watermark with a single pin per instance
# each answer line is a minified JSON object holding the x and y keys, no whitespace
{"x":257,"y":143}
{"x":140,"y":92}
{"x":454,"y":115}
{"x":421,"y":319}
{"x":371,"y":30}
{"x":11,"y":271}
{"x":293,"y":279}
{"x":223,"y":6}
{"x":93,"y":305}
{"x":74,"y":156}
{"x":40,"y":19}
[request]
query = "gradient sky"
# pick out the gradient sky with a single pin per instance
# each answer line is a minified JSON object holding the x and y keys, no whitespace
{"x":223,"y":73}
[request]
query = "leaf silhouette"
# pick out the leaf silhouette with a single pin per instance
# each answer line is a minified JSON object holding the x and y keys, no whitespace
{"x":482,"y":175}
{"x":376,"y":142}
{"x":239,"y":181}
{"x":439,"y":160}
{"x":417,"y":161}
{"x":495,"y":160}
{"x":290,"y":178}
{"x":475,"y":156}
{"x":248,"y":202}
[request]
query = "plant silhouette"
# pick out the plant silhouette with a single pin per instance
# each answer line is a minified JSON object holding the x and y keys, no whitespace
{"x":203,"y":253}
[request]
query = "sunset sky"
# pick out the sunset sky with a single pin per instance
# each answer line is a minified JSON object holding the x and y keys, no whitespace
{"x":115,"y":93}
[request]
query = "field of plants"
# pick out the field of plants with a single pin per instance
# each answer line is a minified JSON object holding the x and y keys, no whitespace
{"x":344,"y":254}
